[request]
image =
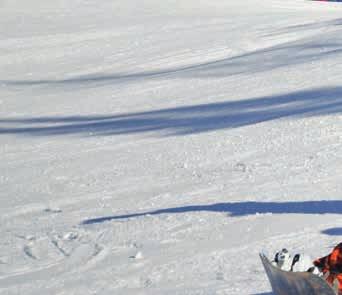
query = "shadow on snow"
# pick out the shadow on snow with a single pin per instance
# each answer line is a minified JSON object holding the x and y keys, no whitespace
{"x":336,"y":231}
{"x":240,"y":209}
{"x":186,"y":119}
{"x":288,"y":54}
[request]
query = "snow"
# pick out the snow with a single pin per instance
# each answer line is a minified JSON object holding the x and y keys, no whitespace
{"x":156,"y":147}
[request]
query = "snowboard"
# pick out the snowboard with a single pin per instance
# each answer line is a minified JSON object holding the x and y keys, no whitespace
{"x":294,"y":283}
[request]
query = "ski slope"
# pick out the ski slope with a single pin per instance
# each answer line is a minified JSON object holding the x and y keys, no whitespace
{"x":156,"y":147}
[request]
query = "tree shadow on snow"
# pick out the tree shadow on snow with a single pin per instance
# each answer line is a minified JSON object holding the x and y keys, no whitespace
{"x":302,"y":51}
{"x":240,"y":209}
{"x":336,"y":231}
{"x":186,"y":119}
{"x":309,"y":26}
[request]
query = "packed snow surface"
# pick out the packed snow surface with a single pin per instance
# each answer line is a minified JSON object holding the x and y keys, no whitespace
{"x":156,"y":147}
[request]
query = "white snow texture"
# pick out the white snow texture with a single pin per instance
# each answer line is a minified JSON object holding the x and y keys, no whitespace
{"x":155,"y":147}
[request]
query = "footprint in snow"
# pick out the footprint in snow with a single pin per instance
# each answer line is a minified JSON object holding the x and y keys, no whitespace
{"x":52,"y":210}
{"x":28,"y":251}
{"x":137,"y":256}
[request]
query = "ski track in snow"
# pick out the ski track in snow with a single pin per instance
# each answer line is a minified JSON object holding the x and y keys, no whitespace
{"x":158,"y":147}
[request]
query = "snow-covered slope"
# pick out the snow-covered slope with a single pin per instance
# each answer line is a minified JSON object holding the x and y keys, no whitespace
{"x":155,"y":147}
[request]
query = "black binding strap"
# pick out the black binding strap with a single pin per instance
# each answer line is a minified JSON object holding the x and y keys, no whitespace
{"x":295,"y":260}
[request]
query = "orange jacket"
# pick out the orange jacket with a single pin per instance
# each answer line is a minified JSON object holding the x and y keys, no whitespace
{"x":331,"y":262}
